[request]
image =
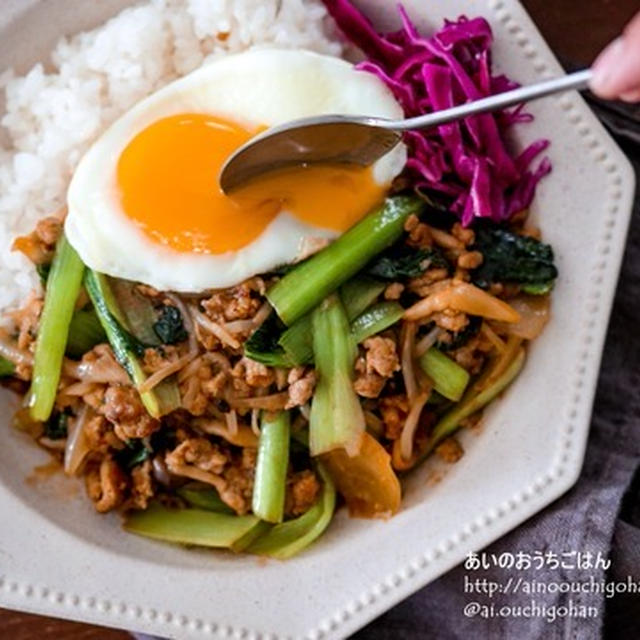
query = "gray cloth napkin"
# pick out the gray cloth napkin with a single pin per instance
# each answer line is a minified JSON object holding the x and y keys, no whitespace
{"x":601,"y":514}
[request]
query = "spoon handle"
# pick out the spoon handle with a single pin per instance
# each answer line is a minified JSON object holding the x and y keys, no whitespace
{"x":577,"y":80}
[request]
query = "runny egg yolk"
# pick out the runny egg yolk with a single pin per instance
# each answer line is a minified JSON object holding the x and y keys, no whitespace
{"x":168,"y":181}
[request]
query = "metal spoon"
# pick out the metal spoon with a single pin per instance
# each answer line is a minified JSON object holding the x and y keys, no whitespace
{"x":361,"y":140}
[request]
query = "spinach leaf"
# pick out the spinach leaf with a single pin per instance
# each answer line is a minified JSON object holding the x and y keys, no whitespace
{"x":402,"y":261}
{"x":262,"y":346}
{"x":169,"y":327}
{"x":134,"y":453}
{"x":56,"y":428}
{"x":509,"y":257}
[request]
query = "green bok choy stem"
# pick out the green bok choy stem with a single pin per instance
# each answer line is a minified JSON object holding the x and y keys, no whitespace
{"x":163,"y":398}
{"x":336,"y":419}
{"x":375,"y":319}
{"x":191,"y":526}
{"x":448,"y":377}
{"x":285,"y":540}
{"x":63,"y":287}
{"x":207,"y":499}
{"x":357,"y":295}
{"x":474,"y":401}
{"x":85,"y":332}
{"x":271,"y":467}
{"x":306,"y":285}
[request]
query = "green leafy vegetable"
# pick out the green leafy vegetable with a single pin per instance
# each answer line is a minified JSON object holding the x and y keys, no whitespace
{"x":134,"y":453}
{"x":63,"y":287}
{"x":169,"y":326}
{"x":56,"y":427}
{"x":262,"y":346}
{"x":163,"y":398}
{"x":508,"y":257}
{"x":304,"y":287}
{"x":7,"y":368}
{"x":400,"y":262}
{"x":85,"y":332}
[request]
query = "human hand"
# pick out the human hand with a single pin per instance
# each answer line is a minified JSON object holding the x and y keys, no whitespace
{"x":616,"y":71}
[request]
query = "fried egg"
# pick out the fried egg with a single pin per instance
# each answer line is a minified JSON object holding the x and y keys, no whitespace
{"x":144,"y":203}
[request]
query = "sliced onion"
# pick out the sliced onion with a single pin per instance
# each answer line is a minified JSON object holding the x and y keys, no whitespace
{"x":534,"y":314}
{"x":15,"y":355}
{"x":411,"y":424}
{"x":255,"y":426}
{"x":188,"y":471}
{"x":190,"y":369}
{"x":493,"y":337}
{"x":408,"y":372}
{"x":243,"y":437}
{"x":239,"y":326}
{"x":281,"y":378}
{"x":189,"y":396}
{"x":262,"y":314}
{"x":77,"y":448}
{"x":100,"y":371}
{"x":463,"y":296}
{"x":305,"y":410}
{"x":426,"y":342}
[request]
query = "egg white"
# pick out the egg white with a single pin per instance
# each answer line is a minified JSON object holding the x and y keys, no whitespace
{"x":257,"y":87}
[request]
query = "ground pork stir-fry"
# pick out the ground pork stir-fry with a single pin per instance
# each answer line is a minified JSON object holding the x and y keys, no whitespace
{"x":225,"y":371}
{"x":188,"y":421}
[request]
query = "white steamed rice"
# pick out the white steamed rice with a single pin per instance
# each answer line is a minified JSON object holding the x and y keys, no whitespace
{"x":51,"y":118}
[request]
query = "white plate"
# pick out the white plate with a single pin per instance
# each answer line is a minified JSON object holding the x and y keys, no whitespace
{"x":57,"y":557}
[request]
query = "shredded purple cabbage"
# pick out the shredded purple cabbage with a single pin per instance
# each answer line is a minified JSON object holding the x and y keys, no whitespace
{"x":468,"y":161}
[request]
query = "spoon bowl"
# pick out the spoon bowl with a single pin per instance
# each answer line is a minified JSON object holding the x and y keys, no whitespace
{"x":361,"y":140}
{"x":332,"y":139}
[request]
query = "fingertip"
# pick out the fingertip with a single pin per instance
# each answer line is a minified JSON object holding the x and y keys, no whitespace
{"x":631,"y":96}
{"x":603,"y":83}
